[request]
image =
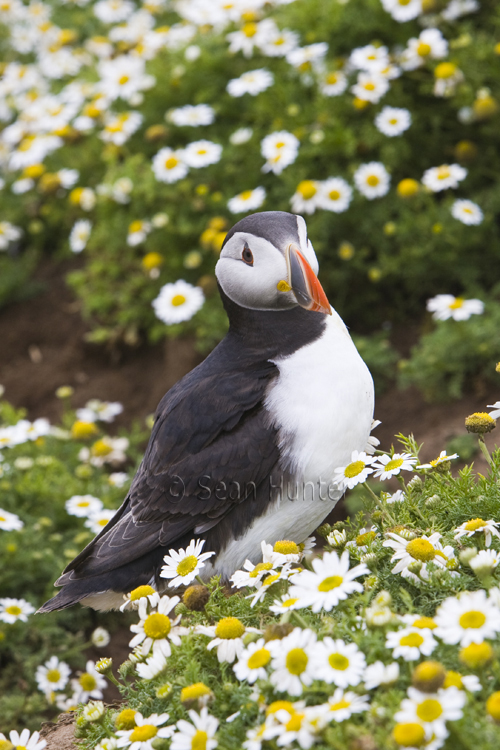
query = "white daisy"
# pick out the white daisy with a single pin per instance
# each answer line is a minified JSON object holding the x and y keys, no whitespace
{"x":432,"y":710}
{"x":27,"y":741}
{"x":468,"y":682}
{"x":156,"y":629}
{"x":169,"y":165}
{"x":178,"y":302}
{"x":83,"y":505}
{"x":252,"y":82}
{"x":392,"y":121}
{"x":496,"y":406}
{"x":484,"y":562}
{"x":389,"y":466}
{"x":96,"y":410}
{"x":182,"y":566}
{"x":284,"y":604}
{"x":357,"y":471}
{"x":294,"y":724}
{"x":113,"y":11}
{"x":118,"y":479}
{"x":372,"y":180}
{"x":252,"y":575}
{"x":8,"y":233}
{"x":96,"y":521}
{"x":280,"y":149}
{"x":468,"y":618}
{"x":252,"y":662}
{"x":89,"y":684}
{"x":458,"y":8}
{"x":192,"y":115}
{"x":342,"y":705}
{"x":12,"y":610}
{"x":380,"y":674}
{"x":145,"y":731}
{"x":9,"y":521}
{"x":309,"y":57}
{"x":339,"y":662}
{"x":477,"y":526}
{"x":369,"y":58}
{"x":442,"y":458}
{"x":396,"y":497}
{"x":430,"y":44}
{"x":443,"y":177}
{"x":199,"y":734}
{"x":227,"y":637}
{"x":370,"y":87}
{"x":267,"y":581}
{"x":293,"y":665}
{"x":152,"y":667}
{"x":278,"y":42}
{"x":333,"y":83}
{"x":138,"y":230}
{"x":119,"y":127}
{"x":335,"y":195}
{"x":467,"y":212}
{"x":403,"y":10}
{"x":329,"y":582}
{"x":52,"y":676}
{"x":444,"y":306}
{"x":246,"y":201}
{"x":100,"y":637}
{"x":202,"y":153}
{"x":410,"y":643}
{"x":306,"y":197}
{"x":240,"y":136}
{"x":79,"y":235}
{"x":421,"y":550}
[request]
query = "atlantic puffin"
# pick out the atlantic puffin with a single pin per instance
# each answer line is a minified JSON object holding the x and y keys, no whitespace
{"x":244,"y":447}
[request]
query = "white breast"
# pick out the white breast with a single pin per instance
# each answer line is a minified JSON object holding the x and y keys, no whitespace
{"x":322,"y":404}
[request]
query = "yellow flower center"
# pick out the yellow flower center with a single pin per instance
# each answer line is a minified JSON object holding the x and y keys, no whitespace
{"x":407,"y":187}
{"x":250,"y":29}
{"x":152,"y":260}
{"x":157,"y":625}
{"x":353,"y":469}
{"x":294,"y":724}
{"x":296,"y":661}
{"x":453,"y":679}
{"x":472,"y":619}
{"x":14,"y":610}
{"x":171,"y":162}
{"x":289,"y":602}
{"x":457,"y":303}
{"x":332,"y":78}
{"x":259,"y":568}
{"x":278,"y":706}
{"x":369,"y":86}
{"x":199,"y":740}
{"x":414,"y":640}
{"x":53,"y":675}
{"x":338,"y":661}
{"x":334,"y":195}
{"x":135,"y":226}
{"x":474,"y":524}
{"x":101,"y":448}
{"x":245,"y":195}
{"x":365,"y":538}
{"x":421,"y":549}
{"x":425,"y":622}
{"x":259,"y":659}
{"x":332,"y":582}
{"x":307,"y":189}
{"x":493,"y":705}
{"x":177,"y":301}
{"x":144,"y":733}
{"x":270,"y":580}
{"x":409,"y":735}
{"x":395,"y":463}
{"x":2,"y":518}
{"x":372,"y":180}
{"x":445,"y":70}
{"x":284,"y":547}
{"x":429,"y":710}
{"x":125,"y":719}
{"x":88,"y":682}
{"x":443,"y":173}
{"x":229,"y":627}
{"x":82,"y":430}
{"x":339,"y":705}
{"x":195,"y":691}
{"x":423,"y":49}
{"x":140,"y":592}
{"x":476,"y":655}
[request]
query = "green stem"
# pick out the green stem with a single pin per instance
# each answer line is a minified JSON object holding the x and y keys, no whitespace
{"x":379,"y":504}
{"x":485,"y":450}
{"x":299,"y":619}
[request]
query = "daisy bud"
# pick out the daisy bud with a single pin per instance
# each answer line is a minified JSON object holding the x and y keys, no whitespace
{"x":415,"y":484}
{"x":378,"y":616}
{"x":126,"y":719}
{"x":196,"y":597}
{"x":433,"y":500}
{"x":415,"y":567}
{"x":383,"y":599}
{"x":476,"y":655}
{"x":409,"y":735}
{"x":93,"y":711}
{"x":493,"y":706}
{"x":196,"y":695}
{"x":104,"y":666}
{"x":408,"y":188}
{"x":6,"y":745}
{"x":467,"y":554}
{"x":428,"y":676}
{"x":164,"y":691}
{"x":370,"y":583}
{"x":160,"y":743}
{"x":65,"y":391}
{"x":480,"y":423}
{"x":277,"y":631}
{"x":369,"y":559}
{"x":337,"y":538}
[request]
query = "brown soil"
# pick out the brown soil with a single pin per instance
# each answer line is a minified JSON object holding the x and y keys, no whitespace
{"x":60,"y":735}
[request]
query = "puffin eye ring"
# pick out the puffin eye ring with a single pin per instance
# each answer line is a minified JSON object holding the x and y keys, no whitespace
{"x":247,"y":255}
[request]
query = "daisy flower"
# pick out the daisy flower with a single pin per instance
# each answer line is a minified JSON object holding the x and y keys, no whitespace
{"x":100,"y":637}
{"x":403,"y":10}
{"x":145,"y":731}
{"x":396,"y":497}
{"x":335,"y":195}
{"x":468,"y":618}
{"x":169,"y":165}
{"x":182,"y":566}
{"x":329,"y":582}
{"x":422,"y":550}
{"x":240,"y":136}
{"x":192,"y":115}
{"x":295,"y":723}
{"x":369,"y":58}
{"x":138,"y":230}
{"x":52,"y":676}
{"x":133,"y":599}
{"x":106,"y":450}
{"x":284,"y":604}
{"x":199,"y":734}
{"x":283,"y":551}
{"x":445,"y":306}
{"x":467,"y":212}
{"x":252,"y":575}
{"x":156,"y":629}
{"x":202,"y":153}
{"x":309,"y":57}
{"x":306,"y":197}
{"x":380,"y":674}
{"x":442,"y":458}
{"x":79,"y":235}
{"x":410,"y":643}
{"x":443,"y":177}
{"x":152,"y":667}
{"x":227,"y":637}
{"x":468,"y":682}
{"x":484,"y":562}
{"x":252,"y":82}
{"x":333,"y":84}
{"x":342,"y":705}
{"x":98,"y":520}
{"x":280,"y":149}
{"x":248,"y":200}
{"x":83,"y":505}
{"x":370,"y":87}
{"x":178,"y":302}
{"x":293,"y":664}
{"x":8,"y":233}
{"x":338,"y":662}
{"x":25,"y":741}
{"x":9,"y":521}
{"x":89,"y":684}
{"x":96,"y":410}
{"x":392,"y":121}
{"x":372,"y":180}
{"x":12,"y":610}
{"x":476,"y":526}
{"x":268,"y":580}
{"x":432,"y":710}
{"x":357,"y":471}
{"x":252,"y":662}
{"x":389,"y":466}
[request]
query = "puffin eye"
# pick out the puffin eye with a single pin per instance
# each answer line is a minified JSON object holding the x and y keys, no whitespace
{"x":247,"y":255}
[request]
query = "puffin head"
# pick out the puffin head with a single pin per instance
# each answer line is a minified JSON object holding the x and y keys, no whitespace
{"x":267,"y":263}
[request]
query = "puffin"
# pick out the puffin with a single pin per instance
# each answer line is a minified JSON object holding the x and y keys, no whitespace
{"x":245,"y":446}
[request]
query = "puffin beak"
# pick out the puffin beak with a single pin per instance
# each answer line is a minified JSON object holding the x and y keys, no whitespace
{"x":304,"y":282}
